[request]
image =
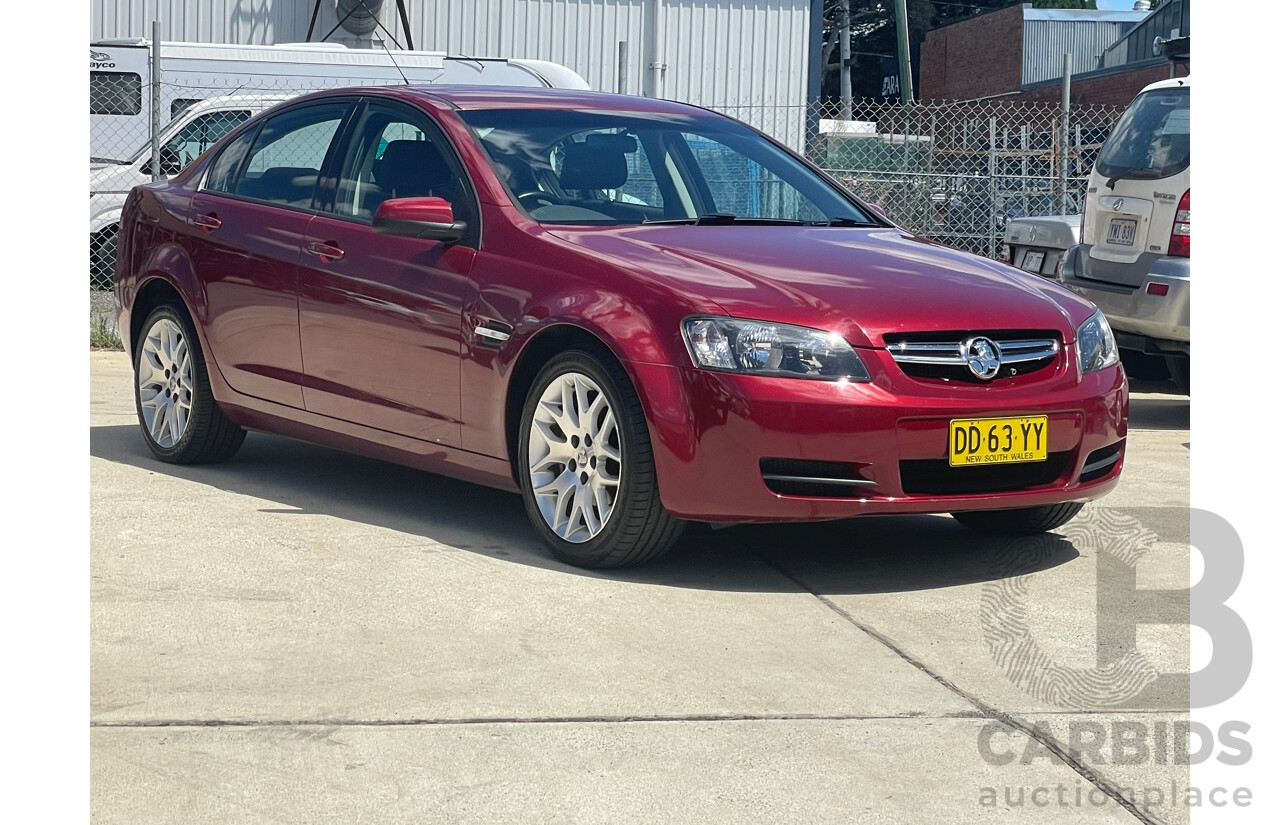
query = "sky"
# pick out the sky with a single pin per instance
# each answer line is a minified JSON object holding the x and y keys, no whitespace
{"x":1115,"y":5}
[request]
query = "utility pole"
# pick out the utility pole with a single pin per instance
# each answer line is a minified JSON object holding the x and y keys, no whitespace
{"x":1064,"y":145}
{"x":904,"y":54}
{"x":846,"y":81}
{"x":155,"y":98}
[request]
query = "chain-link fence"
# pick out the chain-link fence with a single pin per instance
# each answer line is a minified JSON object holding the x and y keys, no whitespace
{"x":954,"y":172}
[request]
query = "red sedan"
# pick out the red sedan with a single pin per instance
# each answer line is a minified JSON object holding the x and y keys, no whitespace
{"x":634,"y":312}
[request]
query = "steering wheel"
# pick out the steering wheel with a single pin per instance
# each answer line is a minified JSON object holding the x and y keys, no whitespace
{"x":531,"y":200}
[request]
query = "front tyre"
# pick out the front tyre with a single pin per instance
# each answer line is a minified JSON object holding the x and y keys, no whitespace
{"x":585,"y":465}
{"x":1022,"y":520}
{"x":181,"y":422}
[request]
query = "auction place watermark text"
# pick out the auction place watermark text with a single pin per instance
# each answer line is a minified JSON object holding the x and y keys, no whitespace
{"x":1084,"y":795}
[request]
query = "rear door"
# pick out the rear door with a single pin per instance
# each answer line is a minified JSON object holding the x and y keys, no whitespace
{"x":249,"y":223}
{"x":380,"y":316}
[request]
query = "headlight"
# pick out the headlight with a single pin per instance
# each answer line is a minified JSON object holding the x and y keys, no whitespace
{"x":763,"y":348}
{"x":1096,"y":344}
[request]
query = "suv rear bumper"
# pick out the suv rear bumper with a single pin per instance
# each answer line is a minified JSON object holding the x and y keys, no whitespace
{"x":1143,"y":321}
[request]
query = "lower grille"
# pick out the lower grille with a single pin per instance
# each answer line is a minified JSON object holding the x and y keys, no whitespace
{"x":936,"y":477}
{"x":1101,"y":462}
{"x":813,"y":479}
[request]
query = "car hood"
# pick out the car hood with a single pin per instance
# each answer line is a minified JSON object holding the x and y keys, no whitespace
{"x":863,"y":283}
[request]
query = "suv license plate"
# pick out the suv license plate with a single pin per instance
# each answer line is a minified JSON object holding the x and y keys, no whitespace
{"x":978,"y":441}
{"x":1032,"y":261}
{"x":1122,"y":231}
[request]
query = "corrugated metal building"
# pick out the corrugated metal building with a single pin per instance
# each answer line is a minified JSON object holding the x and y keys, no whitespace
{"x":1048,"y":34}
{"x":747,"y":57}
{"x":1169,"y":22}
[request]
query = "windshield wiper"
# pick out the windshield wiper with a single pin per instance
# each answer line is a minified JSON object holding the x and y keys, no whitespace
{"x":723,"y":219}
{"x":844,"y":221}
{"x":1131,"y":173}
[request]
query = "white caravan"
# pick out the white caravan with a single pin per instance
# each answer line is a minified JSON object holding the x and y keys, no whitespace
{"x":120,"y":78}
{"x":197,"y":79}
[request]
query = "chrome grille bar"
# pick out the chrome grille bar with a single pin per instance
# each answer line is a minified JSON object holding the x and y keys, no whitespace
{"x":951,"y":354}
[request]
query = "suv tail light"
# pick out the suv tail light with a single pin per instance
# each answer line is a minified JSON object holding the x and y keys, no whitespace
{"x":1180,"y":238}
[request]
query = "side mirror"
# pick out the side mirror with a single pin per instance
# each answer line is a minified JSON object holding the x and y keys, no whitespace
{"x":429,"y":218}
{"x":878,"y":209}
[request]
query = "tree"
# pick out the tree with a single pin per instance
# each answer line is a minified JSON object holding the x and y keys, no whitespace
{"x":873,"y":33}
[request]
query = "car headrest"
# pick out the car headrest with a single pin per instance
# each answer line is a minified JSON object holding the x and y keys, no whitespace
{"x":593,"y":166}
{"x":412,"y":168}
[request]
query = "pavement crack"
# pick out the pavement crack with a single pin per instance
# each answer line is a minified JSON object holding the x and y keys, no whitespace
{"x":516,"y":720}
{"x":984,"y":710}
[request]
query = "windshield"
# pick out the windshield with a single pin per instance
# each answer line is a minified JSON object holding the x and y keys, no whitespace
{"x":1152,"y":139}
{"x":193,"y":139}
{"x":606,"y":168}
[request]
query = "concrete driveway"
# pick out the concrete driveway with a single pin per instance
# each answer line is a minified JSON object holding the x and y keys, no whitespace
{"x":301,"y":635}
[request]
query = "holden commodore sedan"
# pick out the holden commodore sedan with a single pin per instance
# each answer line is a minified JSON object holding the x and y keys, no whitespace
{"x":635,"y":313}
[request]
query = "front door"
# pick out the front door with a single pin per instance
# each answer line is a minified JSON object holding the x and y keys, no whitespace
{"x":380,"y":316}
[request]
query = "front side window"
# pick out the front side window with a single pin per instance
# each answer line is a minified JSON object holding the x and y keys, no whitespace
{"x":115,"y":93}
{"x":583,"y":167}
{"x":290,"y":150}
{"x":395,"y":154}
{"x":1152,"y":138}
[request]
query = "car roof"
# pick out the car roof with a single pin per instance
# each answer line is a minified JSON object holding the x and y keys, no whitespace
{"x":515,"y":97}
{"x":1171,"y":83}
{"x":233,"y":101}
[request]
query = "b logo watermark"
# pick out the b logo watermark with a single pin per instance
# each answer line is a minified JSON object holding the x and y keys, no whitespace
{"x":1122,"y":676}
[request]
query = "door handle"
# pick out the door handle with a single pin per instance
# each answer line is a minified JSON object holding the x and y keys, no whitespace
{"x":208,"y":222}
{"x":326,"y":252}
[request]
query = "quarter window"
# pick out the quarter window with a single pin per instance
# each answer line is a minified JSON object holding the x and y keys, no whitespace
{"x":222,"y":174}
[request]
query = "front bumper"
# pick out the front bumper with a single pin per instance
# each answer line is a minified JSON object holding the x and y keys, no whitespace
{"x":1141,"y":320}
{"x":710,"y":432}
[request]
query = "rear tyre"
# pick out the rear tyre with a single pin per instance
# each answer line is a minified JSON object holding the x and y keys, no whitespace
{"x":585,"y":465}
{"x":181,"y":422}
{"x":1022,"y":520}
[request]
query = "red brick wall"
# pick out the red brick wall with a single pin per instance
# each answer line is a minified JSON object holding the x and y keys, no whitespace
{"x":977,"y":57}
{"x":1115,"y":89}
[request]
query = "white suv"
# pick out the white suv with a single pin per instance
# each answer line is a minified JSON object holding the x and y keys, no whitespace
{"x":1134,"y":259}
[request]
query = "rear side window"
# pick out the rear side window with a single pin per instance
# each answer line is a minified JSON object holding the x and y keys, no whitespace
{"x":1152,"y":139}
{"x":115,"y":93}
{"x":285,"y":162}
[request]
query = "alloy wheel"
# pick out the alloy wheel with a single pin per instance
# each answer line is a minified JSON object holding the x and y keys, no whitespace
{"x":574,"y":457}
{"x":165,"y":383}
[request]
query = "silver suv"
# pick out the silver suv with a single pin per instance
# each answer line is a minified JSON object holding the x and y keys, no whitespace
{"x":1134,"y":259}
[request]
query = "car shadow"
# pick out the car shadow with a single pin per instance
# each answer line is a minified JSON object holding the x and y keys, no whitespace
{"x":880,"y":554}
{"x":1169,"y":411}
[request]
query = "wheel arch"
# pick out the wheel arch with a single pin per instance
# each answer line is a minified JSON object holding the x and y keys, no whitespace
{"x":544,"y":345}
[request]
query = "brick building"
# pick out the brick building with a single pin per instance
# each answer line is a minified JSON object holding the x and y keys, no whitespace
{"x":1017,"y":52}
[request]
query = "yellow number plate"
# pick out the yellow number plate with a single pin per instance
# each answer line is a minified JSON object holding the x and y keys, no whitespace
{"x":978,"y":441}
